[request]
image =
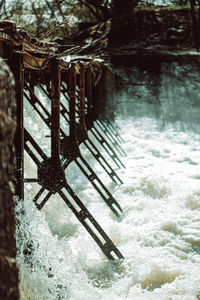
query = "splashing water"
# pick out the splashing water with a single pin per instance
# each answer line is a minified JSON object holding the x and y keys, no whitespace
{"x":159,"y":235}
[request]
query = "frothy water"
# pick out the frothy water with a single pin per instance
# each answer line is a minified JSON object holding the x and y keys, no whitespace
{"x":159,"y":234}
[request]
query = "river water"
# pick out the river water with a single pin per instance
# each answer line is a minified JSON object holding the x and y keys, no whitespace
{"x":159,"y":234}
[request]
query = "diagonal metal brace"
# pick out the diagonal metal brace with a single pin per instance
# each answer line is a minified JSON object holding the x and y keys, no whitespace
{"x":70,"y":151}
{"x":78,"y":208}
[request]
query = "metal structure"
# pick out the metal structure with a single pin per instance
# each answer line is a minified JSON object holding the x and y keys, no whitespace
{"x":71,"y":86}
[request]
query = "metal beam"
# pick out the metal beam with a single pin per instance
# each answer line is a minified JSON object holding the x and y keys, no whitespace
{"x":55,"y":109}
{"x":16,"y":65}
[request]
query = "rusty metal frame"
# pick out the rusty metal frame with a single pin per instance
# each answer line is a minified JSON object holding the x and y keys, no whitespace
{"x":91,"y":146}
{"x":77,"y":157}
{"x":77,"y":207}
{"x":110,"y":137}
{"x":55,"y":109}
{"x":82,"y":137}
{"x":17,"y":66}
{"x":35,"y":62}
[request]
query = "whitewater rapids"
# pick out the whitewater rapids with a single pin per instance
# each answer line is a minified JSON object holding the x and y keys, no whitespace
{"x":159,"y":234}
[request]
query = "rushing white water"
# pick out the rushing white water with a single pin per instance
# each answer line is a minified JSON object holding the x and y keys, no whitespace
{"x":159,"y":234}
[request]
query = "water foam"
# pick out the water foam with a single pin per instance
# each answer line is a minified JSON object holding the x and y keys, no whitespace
{"x":159,"y":233}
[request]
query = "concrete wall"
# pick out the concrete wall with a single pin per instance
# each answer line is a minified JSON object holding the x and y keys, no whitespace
{"x":163,"y":85}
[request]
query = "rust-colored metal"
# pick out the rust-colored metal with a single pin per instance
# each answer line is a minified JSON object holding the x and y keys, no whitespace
{"x":72,"y":103}
{"x":55,"y":109}
{"x":35,"y":63}
{"x":8,"y":26}
{"x":89,"y":90}
{"x":44,"y":66}
{"x":16,"y":65}
{"x":82,"y":97}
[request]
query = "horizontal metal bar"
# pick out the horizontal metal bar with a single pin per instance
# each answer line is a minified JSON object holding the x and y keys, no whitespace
{"x":30,"y":180}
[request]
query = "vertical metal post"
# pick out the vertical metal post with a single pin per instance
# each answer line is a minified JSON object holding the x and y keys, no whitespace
{"x":55,"y":109}
{"x":89,"y":90}
{"x":17,"y":67}
{"x":32,"y":88}
{"x":82,"y":97}
{"x":72,"y":103}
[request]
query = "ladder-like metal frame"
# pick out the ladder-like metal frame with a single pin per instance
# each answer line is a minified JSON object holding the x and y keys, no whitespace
{"x":88,"y":142}
{"x":98,"y":136}
{"x":73,"y":202}
{"x":50,"y":170}
{"x":93,"y":149}
{"x":77,"y":158}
